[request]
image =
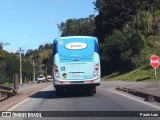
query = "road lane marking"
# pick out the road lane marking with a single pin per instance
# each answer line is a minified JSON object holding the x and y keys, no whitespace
{"x":46,"y":88}
{"x":15,"y":106}
{"x":146,"y":103}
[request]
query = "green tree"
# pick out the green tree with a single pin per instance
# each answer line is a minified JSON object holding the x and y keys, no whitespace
{"x":12,"y":61}
{"x":81,"y":26}
{"x":122,"y":50}
{"x":127,"y":31}
{"x":113,"y":14}
{"x":27,"y":69}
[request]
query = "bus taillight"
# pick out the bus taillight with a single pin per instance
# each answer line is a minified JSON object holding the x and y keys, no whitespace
{"x":56,"y":71}
{"x":96,"y":69}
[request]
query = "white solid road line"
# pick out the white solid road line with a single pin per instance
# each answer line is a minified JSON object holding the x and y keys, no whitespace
{"x":15,"y":106}
{"x":46,"y":88}
{"x":144,"y":102}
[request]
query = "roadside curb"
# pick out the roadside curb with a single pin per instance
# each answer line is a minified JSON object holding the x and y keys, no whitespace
{"x":148,"y":95}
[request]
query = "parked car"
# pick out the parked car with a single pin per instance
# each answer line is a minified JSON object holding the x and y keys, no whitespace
{"x":41,"y":78}
{"x":49,"y":78}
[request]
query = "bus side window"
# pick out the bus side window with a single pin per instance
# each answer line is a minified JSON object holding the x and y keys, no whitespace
{"x":96,"y":47}
{"x":55,"y":48}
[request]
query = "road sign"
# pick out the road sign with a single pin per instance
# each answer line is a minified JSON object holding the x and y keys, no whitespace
{"x":154,"y":61}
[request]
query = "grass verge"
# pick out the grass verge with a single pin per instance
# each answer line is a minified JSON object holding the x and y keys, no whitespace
{"x":135,"y":75}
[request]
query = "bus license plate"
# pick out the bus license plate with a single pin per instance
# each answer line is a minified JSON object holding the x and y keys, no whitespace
{"x":76,"y":74}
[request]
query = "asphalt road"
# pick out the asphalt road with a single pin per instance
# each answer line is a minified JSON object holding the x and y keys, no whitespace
{"x":104,"y":100}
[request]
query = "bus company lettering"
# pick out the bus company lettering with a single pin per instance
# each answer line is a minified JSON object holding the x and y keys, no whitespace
{"x":76,"y":46}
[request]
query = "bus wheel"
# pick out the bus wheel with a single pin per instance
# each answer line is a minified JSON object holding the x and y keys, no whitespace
{"x":94,"y":90}
{"x":59,"y":92}
{"x":90,"y":91}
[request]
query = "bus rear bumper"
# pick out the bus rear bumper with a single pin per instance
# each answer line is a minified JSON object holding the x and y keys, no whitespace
{"x":79,"y":86}
{"x":88,"y":85}
{"x":91,"y":82}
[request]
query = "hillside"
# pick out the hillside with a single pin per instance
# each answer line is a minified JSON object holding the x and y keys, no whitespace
{"x":128,"y":34}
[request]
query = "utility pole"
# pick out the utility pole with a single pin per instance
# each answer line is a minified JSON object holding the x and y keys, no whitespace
{"x":33,"y":71}
{"x":20,"y":61}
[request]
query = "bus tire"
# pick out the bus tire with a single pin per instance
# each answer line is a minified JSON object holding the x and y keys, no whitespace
{"x":59,"y":92}
{"x":94,"y":90}
{"x":90,"y":90}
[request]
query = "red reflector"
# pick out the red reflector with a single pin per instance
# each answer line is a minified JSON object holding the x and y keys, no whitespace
{"x":97,"y":66}
{"x":56,"y":70}
{"x":92,"y":80}
{"x":61,"y":82}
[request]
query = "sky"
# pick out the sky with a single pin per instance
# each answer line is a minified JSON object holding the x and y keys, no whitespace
{"x":31,"y":23}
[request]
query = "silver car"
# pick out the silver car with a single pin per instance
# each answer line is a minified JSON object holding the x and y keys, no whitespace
{"x":41,"y":78}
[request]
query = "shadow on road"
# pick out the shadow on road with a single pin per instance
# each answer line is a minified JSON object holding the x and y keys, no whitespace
{"x":52,"y":94}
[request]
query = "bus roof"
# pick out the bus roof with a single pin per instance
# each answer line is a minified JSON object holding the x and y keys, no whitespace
{"x":68,"y":37}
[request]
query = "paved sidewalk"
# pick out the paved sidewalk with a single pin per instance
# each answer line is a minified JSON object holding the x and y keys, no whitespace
{"x":148,"y":90}
{"x":27,"y":86}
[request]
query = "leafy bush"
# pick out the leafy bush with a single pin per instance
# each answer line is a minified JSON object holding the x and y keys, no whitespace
{"x":121,"y":50}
